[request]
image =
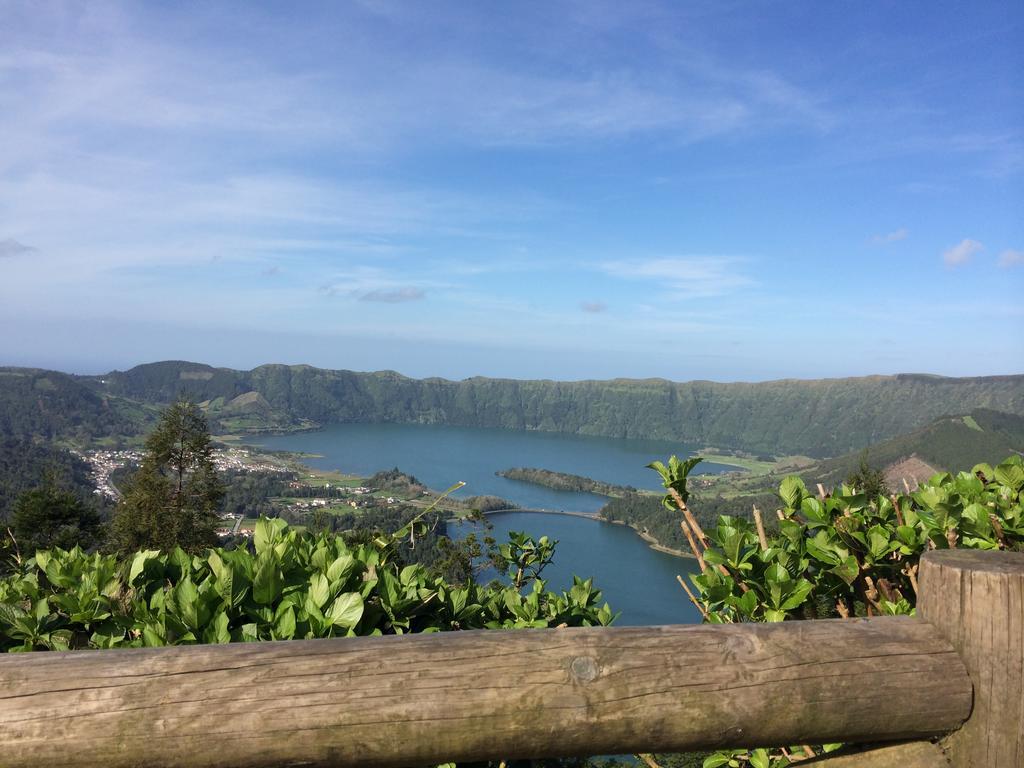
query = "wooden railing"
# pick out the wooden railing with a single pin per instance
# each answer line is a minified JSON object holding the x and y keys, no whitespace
{"x":953,"y":673}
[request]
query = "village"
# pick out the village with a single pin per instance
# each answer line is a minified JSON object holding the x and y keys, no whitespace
{"x":330,"y":492}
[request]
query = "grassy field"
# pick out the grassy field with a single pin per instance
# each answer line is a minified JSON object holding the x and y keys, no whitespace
{"x":756,"y":466}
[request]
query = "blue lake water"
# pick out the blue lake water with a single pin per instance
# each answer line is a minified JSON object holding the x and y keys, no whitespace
{"x":440,"y":456}
{"x":637,"y":581}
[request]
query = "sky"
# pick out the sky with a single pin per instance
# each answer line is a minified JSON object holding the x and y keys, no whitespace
{"x":703,"y":190}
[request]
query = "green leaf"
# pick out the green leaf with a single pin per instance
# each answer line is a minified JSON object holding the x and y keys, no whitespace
{"x":1011,"y":473}
{"x":847,"y":570}
{"x":319,"y":590}
{"x":284,"y":627}
{"x":340,"y":569}
{"x":267,"y":582}
{"x":347,"y":610}
{"x":139,"y":563}
{"x":717,"y":760}
{"x":792,"y":491}
{"x":798,"y":595}
{"x":186,"y":597}
{"x":222,"y":635}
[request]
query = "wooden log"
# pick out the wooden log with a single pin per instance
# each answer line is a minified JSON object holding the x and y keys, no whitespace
{"x":976,"y":599}
{"x":426,"y":699}
{"x":911,"y":754}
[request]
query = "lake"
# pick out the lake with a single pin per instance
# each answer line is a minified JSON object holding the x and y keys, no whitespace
{"x":440,"y":456}
{"x":637,"y":581}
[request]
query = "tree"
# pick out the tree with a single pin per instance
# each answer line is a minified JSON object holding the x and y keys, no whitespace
{"x":51,"y":516}
{"x":172,"y":500}
{"x":867,"y":479}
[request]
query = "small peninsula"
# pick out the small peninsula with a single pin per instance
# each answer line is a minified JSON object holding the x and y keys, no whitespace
{"x":563,"y":481}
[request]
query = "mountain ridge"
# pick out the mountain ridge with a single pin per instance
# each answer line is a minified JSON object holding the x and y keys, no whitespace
{"x":823,"y":417}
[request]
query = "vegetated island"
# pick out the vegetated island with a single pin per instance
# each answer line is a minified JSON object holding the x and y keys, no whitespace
{"x":564,"y":481}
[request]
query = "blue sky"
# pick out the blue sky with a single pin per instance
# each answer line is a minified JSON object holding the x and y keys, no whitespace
{"x":721,"y":190}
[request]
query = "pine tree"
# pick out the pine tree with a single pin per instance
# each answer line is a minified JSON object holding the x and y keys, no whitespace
{"x":51,"y":516}
{"x":867,"y":479}
{"x":172,"y":500}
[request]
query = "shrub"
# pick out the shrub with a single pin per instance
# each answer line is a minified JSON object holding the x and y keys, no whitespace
{"x":291,"y":586}
{"x":843,"y":554}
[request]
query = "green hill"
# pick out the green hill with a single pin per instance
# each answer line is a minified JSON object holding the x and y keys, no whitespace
{"x":951,"y":443}
{"x":820,"y":418}
{"x":56,"y":406}
{"x":24,"y":464}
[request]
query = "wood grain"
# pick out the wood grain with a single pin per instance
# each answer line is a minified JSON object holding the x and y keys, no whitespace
{"x":911,"y":754}
{"x":976,"y":599}
{"x":425,"y":699}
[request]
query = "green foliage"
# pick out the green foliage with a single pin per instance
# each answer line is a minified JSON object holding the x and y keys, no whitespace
{"x":851,"y":554}
{"x":396,"y":481}
{"x":951,"y":443}
{"x":26,"y":464}
{"x":172,"y":500}
{"x":563,"y":481}
{"x":52,"y":405}
{"x":868,"y":480}
{"x":526,"y":557}
{"x":674,"y":477}
{"x":292,"y":585}
{"x":51,"y":516}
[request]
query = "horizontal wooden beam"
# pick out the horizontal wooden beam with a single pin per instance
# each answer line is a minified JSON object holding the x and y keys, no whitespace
{"x":910,"y":754}
{"x":426,"y":699}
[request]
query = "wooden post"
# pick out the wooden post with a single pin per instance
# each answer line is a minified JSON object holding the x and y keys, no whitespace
{"x":976,"y":600}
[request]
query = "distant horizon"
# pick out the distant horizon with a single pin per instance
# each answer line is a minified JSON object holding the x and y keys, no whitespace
{"x":117,"y":369}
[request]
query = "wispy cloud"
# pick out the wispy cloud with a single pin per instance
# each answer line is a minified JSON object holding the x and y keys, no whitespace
{"x":891,"y":237}
{"x":10,"y":248}
{"x":377,"y":284}
{"x":962,"y":252}
{"x":684,"y":277}
{"x":594,"y":307}
{"x":1011,"y":257}
{"x":395,"y":296}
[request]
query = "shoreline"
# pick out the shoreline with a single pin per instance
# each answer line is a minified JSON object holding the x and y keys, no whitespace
{"x":569,"y":513}
{"x":652,"y":542}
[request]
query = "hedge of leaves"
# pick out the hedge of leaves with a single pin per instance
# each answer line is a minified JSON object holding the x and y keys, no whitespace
{"x":293,"y":586}
{"x":841,"y":555}
{"x":847,"y":554}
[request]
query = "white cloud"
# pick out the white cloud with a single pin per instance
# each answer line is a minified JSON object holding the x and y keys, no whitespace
{"x":395,"y":296}
{"x":962,"y":252}
{"x":891,"y":237}
{"x":594,"y":307}
{"x":10,"y":248}
{"x":377,"y":284}
{"x":684,"y":277}
{"x":1011,"y":258}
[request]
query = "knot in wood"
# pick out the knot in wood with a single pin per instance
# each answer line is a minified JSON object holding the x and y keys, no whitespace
{"x":584,"y":669}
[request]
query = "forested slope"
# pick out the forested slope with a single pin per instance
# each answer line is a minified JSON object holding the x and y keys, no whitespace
{"x":951,"y":443}
{"x":818,"y":418}
{"x":25,"y":464}
{"x":52,"y":405}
